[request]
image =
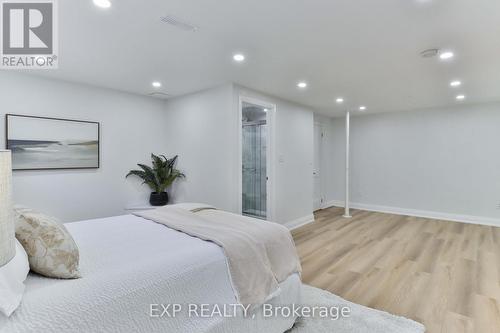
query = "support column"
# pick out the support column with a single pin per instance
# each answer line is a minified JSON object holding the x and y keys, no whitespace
{"x":347,"y":213}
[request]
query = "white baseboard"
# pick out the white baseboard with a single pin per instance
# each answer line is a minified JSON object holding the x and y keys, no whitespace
{"x":419,"y":213}
{"x":300,"y":222}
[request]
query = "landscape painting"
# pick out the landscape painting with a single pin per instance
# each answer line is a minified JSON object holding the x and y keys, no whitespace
{"x":39,"y":143}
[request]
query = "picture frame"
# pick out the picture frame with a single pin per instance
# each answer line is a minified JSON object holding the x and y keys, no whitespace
{"x":46,"y":143}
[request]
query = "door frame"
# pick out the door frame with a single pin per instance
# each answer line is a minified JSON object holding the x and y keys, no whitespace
{"x":321,"y":166}
{"x":270,"y":153}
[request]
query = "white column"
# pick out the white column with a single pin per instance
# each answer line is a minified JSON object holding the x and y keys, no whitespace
{"x":347,"y":213}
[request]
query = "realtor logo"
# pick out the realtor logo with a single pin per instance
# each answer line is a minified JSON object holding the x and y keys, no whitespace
{"x":29,"y":34}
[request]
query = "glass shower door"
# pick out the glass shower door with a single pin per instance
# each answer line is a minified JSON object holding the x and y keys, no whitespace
{"x":254,"y":169}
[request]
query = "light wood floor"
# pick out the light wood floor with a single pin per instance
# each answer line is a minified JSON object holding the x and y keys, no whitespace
{"x":445,"y":275}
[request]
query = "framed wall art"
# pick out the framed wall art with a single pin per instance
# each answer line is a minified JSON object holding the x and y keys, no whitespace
{"x":41,"y":143}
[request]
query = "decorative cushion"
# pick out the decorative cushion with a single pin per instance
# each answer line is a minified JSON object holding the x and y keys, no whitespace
{"x":51,"y":250}
{"x":12,"y":277}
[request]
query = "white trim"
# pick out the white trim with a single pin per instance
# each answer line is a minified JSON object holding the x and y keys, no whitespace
{"x":141,"y":207}
{"x":300,"y":222}
{"x":489,"y":221}
{"x":270,"y":158}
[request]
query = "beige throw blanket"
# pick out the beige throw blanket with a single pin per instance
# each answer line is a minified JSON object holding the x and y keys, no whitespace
{"x":260,"y":254}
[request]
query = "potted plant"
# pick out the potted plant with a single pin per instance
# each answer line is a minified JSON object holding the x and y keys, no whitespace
{"x":158,"y":177}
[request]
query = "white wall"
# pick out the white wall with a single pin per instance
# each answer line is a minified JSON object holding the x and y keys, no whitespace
{"x":445,"y":162}
{"x":130,"y":130}
{"x":203,"y":129}
{"x":200,"y":129}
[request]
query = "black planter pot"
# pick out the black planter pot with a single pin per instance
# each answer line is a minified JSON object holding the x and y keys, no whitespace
{"x":158,"y":199}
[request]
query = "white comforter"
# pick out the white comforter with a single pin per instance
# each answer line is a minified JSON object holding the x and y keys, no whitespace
{"x":128,"y":263}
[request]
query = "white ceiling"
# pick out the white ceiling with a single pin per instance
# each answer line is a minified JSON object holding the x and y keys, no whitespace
{"x":366,"y":51}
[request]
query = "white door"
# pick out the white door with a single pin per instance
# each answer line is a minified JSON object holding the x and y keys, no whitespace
{"x":318,"y":143}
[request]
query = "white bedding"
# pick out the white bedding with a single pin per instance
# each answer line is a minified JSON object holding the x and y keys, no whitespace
{"x":127,"y":263}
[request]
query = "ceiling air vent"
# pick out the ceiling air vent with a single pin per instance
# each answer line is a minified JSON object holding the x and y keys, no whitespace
{"x":178,"y":23}
{"x":158,"y":94}
{"x":429,"y":53}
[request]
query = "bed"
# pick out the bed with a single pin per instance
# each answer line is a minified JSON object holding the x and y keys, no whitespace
{"x":129,"y":263}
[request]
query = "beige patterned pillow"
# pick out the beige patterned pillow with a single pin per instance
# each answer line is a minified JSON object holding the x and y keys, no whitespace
{"x":51,"y":249}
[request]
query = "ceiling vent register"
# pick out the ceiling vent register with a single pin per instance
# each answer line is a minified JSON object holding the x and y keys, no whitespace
{"x":179,"y":23}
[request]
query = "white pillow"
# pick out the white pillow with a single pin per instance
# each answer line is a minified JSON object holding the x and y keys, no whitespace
{"x":12,"y":277}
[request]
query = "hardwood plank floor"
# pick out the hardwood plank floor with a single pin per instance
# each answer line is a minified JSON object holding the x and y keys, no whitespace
{"x":445,"y":275}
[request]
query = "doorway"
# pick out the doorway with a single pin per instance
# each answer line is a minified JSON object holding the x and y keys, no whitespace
{"x":317,"y":170}
{"x":256,"y":158}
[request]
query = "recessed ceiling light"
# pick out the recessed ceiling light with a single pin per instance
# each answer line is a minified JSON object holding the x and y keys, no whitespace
{"x":156,"y":84}
{"x":239,"y":57}
{"x":265,"y":110}
{"x":302,"y":85}
{"x":460,"y":97}
{"x":455,"y":83}
{"x":339,"y":100}
{"x":362,"y":108}
{"x":446,"y":55}
{"x":102,"y":3}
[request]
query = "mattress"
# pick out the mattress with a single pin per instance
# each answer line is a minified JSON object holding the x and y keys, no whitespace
{"x":133,"y":268}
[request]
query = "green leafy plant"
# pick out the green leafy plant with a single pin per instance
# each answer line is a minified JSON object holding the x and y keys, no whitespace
{"x":161,"y":175}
